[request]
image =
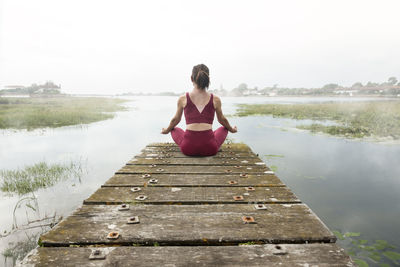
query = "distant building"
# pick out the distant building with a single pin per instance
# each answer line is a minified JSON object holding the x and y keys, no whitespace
{"x":8,"y":87}
{"x":346,"y":92}
{"x":48,"y":88}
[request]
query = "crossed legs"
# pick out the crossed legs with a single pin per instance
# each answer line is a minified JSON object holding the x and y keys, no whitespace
{"x":177,"y":134}
{"x":190,"y":145}
{"x":220,"y":135}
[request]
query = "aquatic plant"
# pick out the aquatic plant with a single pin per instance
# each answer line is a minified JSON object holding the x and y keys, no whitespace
{"x":361,"y":263}
{"x":274,"y":161}
{"x":40,"y":175}
{"x":363,"y":251}
{"x":25,"y":182}
{"x":274,"y":156}
{"x":273,"y":168}
{"x":277,"y":164}
{"x":32,"y":113}
{"x":354,"y":120}
{"x":354,"y":132}
{"x":19,"y":250}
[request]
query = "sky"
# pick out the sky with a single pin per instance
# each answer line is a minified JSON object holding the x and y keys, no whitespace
{"x":111,"y":47}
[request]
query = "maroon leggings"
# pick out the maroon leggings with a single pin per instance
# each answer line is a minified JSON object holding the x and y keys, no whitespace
{"x":199,"y":143}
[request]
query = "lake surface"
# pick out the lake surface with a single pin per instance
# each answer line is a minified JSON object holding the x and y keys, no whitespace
{"x":353,"y":186}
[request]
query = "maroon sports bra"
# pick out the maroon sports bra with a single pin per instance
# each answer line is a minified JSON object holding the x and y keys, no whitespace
{"x":193,"y":115}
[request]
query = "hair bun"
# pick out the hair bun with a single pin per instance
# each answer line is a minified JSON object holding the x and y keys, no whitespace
{"x":203,"y":81}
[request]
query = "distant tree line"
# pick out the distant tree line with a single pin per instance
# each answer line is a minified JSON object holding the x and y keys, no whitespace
{"x":389,"y":88}
{"x":47,"y":88}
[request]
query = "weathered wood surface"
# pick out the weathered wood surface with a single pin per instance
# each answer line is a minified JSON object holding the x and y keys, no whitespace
{"x":203,"y":161}
{"x":177,"y":180}
{"x":192,"y":195}
{"x":131,"y":169}
{"x":189,"y":225}
{"x":178,"y":154}
{"x":231,"y":146}
{"x":289,"y":255}
{"x":177,"y":149}
{"x":208,"y":233}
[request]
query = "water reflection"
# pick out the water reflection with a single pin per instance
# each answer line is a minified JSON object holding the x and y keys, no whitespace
{"x":28,"y":218}
{"x":352,"y":186}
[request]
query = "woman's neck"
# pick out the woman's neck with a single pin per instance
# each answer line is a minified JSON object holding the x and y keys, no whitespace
{"x":196,"y":90}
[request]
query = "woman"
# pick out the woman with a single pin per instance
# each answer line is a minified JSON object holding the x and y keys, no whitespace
{"x":199,"y":107}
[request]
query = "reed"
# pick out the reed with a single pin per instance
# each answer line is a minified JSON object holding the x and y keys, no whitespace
{"x":354,"y":120}
{"x":32,"y":113}
{"x":40,"y":175}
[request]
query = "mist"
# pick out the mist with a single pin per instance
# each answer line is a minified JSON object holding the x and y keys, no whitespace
{"x":106,"y":47}
{"x":310,"y":93}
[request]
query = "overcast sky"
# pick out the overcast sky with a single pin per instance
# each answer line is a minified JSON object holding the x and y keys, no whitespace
{"x":93,"y":46}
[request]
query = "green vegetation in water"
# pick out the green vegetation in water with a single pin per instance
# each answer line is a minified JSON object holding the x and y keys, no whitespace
{"x":355,"y":120}
{"x":32,"y":113}
{"x":20,"y":249}
{"x":363,"y":250}
{"x":40,"y":175}
{"x":271,"y":158}
{"x":361,"y":263}
{"x":24,"y":182}
{"x":276,"y":165}
{"x":274,"y":156}
{"x":273,"y":168}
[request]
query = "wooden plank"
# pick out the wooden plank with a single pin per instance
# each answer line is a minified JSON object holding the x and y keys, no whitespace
{"x":208,"y":233}
{"x":189,"y":225}
{"x":288,"y":255}
{"x":191,"y":195}
{"x":201,"y":161}
{"x":231,"y":146}
{"x":132,"y":169}
{"x":176,"y":148}
{"x":179,"y":154}
{"x":195,"y":180}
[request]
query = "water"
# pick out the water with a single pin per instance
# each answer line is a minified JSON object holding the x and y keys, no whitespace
{"x":352,"y":186}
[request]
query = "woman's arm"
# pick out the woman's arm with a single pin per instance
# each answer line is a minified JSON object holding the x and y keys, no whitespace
{"x":176,"y":119}
{"x":221,"y":118}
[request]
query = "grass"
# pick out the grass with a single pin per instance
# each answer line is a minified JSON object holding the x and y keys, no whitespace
{"x":32,"y":113}
{"x":40,"y":175}
{"x":26,"y":181}
{"x":354,"y":120}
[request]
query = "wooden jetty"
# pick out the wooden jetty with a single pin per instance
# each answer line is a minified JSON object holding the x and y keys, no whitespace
{"x":167,"y":209}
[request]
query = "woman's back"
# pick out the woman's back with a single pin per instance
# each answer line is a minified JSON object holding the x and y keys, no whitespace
{"x":199,"y":99}
{"x":203,"y":113}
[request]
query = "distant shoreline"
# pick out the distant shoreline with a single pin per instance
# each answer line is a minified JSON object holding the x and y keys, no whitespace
{"x":42,"y":112}
{"x":152,"y":95}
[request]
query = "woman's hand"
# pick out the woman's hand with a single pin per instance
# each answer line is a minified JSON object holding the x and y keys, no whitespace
{"x":234,"y":129}
{"x":164,"y":131}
